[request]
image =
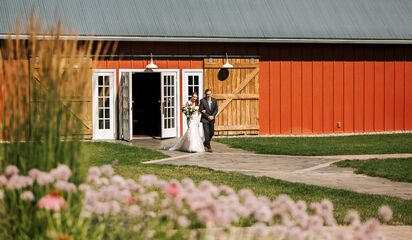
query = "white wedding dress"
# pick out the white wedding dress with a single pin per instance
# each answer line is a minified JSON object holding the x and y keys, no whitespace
{"x":192,"y":140}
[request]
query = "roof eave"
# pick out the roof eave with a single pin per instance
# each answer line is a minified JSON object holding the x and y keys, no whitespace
{"x":219,"y":39}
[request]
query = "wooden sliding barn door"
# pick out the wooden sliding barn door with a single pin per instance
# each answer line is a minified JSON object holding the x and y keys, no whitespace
{"x":76,"y":99}
{"x":237,"y":93}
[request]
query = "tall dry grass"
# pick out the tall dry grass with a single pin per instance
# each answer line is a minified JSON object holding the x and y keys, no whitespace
{"x":43,"y":84}
{"x":43,"y":88}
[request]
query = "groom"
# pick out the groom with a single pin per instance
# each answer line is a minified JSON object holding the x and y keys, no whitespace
{"x":208,"y":108}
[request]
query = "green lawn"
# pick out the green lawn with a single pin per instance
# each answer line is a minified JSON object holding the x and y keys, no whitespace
{"x":312,"y":146}
{"x":129,"y":165}
{"x":395,"y":169}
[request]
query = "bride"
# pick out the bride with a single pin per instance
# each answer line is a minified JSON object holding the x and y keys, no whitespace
{"x":192,"y":140}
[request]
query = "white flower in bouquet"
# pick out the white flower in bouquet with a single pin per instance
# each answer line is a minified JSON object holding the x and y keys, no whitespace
{"x":188,"y":109}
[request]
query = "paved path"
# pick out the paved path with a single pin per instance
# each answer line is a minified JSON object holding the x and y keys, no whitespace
{"x":316,"y":170}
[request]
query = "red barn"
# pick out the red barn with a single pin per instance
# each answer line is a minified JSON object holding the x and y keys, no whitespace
{"x":298,"y":66}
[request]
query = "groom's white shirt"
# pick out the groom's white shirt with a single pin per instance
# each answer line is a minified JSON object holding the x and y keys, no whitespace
{"x":209,"y":101}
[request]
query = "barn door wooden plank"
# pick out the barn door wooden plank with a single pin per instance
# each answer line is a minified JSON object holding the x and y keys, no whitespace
{"x":70,"y":100}
{"x":238,"y":89}
{"x":237,"y":95}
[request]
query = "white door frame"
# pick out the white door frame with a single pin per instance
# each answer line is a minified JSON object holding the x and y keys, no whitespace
{"x":185,"y":93}
{"x":141,"y":70}
{"x":95,"y":102}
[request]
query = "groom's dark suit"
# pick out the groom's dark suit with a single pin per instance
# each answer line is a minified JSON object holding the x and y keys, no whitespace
{"x":208,"y":125}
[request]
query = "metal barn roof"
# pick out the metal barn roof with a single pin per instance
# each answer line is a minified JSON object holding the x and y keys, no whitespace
{"x":222,"y":20}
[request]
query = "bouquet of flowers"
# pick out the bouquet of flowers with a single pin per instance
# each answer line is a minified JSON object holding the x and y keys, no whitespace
{"x":188,"y":109}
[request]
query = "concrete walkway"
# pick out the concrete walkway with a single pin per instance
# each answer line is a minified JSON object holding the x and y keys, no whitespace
{"x":315,"y":170}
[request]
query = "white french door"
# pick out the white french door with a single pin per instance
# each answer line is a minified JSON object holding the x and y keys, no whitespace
{"x":192,"y":82}
{"x":103,"y":104}
{"x":169,"y":102}
{"x":169,"y":106}
{"x":125,"y":106}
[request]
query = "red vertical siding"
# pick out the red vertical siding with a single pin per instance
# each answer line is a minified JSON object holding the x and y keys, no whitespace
{"x":285,"y":91}
{"x":296,"y":91}
{"x":389,"y":89}
{"x":113,"y":64}
{"x":359,"y":74}
{"x":317,"y":91}
{"x":369,"y":91}
{"x":311,"y":88}
{"x":139,"y":64}
{"x":338,"y":87}
{"x":264,"y":92}
{"x":328,"y":91}
{"x":399,"y":88}
{"x":379,"y":89}
{"x":100,"y":64}
{"x":408,"y":89}
{"x":274,"y":92}
{"x":348,"y":89}
{"x":307,"y":96}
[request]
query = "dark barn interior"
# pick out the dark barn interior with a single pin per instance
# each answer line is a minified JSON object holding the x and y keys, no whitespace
{"x":146,"y":104}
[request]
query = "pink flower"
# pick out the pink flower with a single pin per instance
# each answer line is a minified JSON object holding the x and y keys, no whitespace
{"x":52,"y":201}
{"x":369,"y":230}
{"x":91,"y":197}
{"x":134,"y":211}
{"x":118,"y":181}
{"x":110,"y":192}
{"x":245,"y":192}
{"x":183,"y":221}
{"x":353,"y":218}
{"x":129,"y":200}
{"x":258,"y":230}
{"x":44,"y":178}
{"x":3,"y":180}
{"x":263,"y":214}
{"x":65,"y":186}
{"x":19,"y":182}
{"x":15,"y":182}
{"x":326,"y":205}
{"x":11,"y":170}
{"x":386,"y":213}
{"x":101,"y":208}
{"x":84,"y":187}
{"x":151,"y":214}
{"x":296,"y":234}
{"x":301,"y":205}
{"x":27,"y":196}
{"x":93,"y":179}
{"x":279,"y":231}
{"x":148,"y":199}
{"x":62,"y":172}
{"x":94,"y":171}
{"x":107,"y":170}
{"x":115,"y":208}
{"x":226,"y":190}
{"x":173,"y":189}
{"x":148,"y":180}
{"x":188,"y":183}
{"x":33,"y":173}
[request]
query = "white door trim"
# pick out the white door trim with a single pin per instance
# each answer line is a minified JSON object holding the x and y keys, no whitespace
{"x":178,"y":105}
{"x":185,"y":93}
{"x":113,"y":101}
